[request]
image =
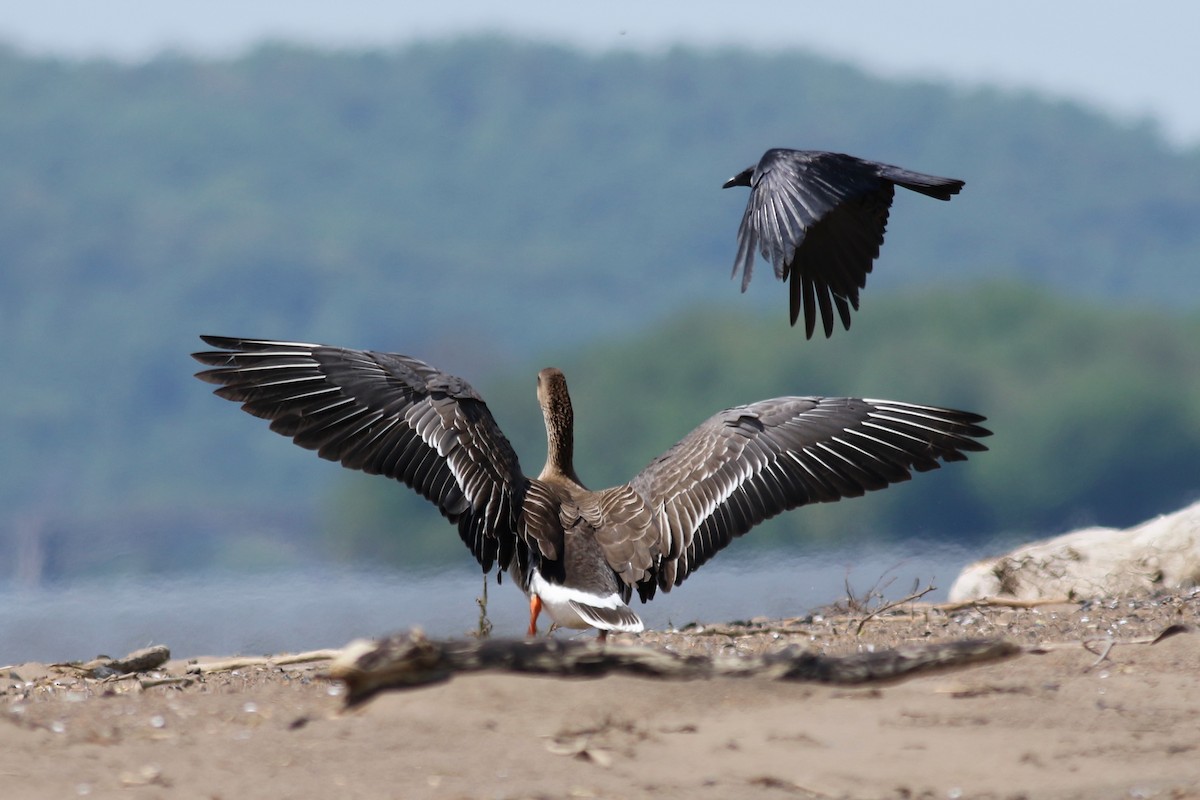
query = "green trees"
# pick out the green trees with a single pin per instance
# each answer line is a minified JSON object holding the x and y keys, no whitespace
{"x":482,"y":203}
{"x":1093,"y":411}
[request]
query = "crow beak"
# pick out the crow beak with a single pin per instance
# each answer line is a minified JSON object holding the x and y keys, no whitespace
{"x":741,"y":179}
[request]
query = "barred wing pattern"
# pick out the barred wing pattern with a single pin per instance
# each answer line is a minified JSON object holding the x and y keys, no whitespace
{"x":385,"y":414}
{"x":397,"y":416}
{"x":750,"y":463}
{"x":819,"y":218}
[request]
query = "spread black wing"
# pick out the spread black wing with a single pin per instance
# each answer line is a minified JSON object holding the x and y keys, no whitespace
{"x":819,"y":219}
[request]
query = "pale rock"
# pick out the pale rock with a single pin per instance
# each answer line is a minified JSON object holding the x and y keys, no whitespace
{"x":1162,"y":554}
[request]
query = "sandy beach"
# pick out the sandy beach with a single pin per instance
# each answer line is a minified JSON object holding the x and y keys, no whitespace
{"x":1090,"y":709}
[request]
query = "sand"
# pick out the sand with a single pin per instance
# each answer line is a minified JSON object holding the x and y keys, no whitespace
{"x":1072,"y":717}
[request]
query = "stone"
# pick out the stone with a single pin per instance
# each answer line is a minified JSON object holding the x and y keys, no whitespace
{"x":1162,"y":554}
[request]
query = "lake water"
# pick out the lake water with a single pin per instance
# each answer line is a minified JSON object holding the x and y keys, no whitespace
{"x":275,"y":612}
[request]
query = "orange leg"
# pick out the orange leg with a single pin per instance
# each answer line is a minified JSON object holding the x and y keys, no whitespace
{"x":535,"y":608}
{"x":603,"y":637}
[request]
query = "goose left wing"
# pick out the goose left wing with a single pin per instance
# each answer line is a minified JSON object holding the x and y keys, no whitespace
{"x":750,"y":463}
{"x":386,"y":414}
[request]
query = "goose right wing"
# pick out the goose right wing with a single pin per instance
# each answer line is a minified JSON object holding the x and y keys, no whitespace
{"x":384,"y":414}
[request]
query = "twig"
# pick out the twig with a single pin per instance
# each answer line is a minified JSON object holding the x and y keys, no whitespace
{"x":735,"y":630}
{"x":1172,"y":630}
{"x":889,"y":606}
{"x":1102,"y":656}
{"x":263,"y":661}
{"x":854,"y":604}
{"x":1004,"y":602}
{"x":1167,"y":632}
{"x":148,"y":683}
{"x":484,"y":630}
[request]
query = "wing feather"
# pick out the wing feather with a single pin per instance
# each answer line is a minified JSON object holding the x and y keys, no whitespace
{"x":819,"y":219}
{"x":750,"y":463}
{"x":384,"y":414}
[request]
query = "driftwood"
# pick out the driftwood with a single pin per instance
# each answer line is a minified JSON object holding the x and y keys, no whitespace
{"x":143,"y":660}
{"x":168,"y":680}
{"x":407,"y":660}
{"x":261,"y":661}
{"x":1004,"y":602}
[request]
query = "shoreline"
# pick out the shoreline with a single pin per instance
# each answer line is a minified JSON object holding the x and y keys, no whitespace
{"x":1089,"y":709}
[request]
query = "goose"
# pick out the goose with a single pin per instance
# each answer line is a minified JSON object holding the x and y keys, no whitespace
{"x":579,"y":554}
{"x":819,"y":219}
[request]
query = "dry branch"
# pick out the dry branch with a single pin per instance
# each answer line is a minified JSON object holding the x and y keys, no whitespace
{"x":169,"y":680}
{"x":406,"y":660}
{"x":913,"y":597}
{"x":262,"y":661}
{"x":143,"y":660}
{"x":1004,"y":602}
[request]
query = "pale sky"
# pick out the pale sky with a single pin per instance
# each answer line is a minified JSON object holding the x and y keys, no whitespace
{"x":1130,"y":59}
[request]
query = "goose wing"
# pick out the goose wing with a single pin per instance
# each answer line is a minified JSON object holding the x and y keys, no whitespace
{"x":819,"y":219}
{"x":747,"y":464}
{"x":384,"y":414}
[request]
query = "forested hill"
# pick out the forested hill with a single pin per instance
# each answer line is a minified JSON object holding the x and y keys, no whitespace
{"x":370,"y":195}
{"x":477,"y":203}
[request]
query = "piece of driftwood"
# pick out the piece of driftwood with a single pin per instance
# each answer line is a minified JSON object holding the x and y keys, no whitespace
{"x":1004,"y":602}
{"x":168,"y":680}
{"x":143,"y":660}
{"x":406,"y":660}
{"x":262,"y":661}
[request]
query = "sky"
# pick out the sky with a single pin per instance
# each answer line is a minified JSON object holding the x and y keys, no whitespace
{"x":1132,"y":60}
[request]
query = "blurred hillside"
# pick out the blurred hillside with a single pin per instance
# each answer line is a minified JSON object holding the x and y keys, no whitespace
{"x":1094,"y":413}
{"x":490,"y":206}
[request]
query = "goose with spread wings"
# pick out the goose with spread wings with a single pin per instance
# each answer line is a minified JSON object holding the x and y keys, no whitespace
{"x":819,"y":219}
{"x":580,"y":554}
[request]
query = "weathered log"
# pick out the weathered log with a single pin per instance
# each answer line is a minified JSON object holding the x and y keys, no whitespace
{"x":407,"y":660}
{"x":242,"y":662}
{"x":143,"y":660}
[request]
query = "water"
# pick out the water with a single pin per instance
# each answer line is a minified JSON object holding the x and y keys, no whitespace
{"x":262,"y":613}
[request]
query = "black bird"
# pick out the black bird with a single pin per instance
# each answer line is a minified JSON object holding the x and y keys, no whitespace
{"x":819,"y":219}
{"x":579,"y":553}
